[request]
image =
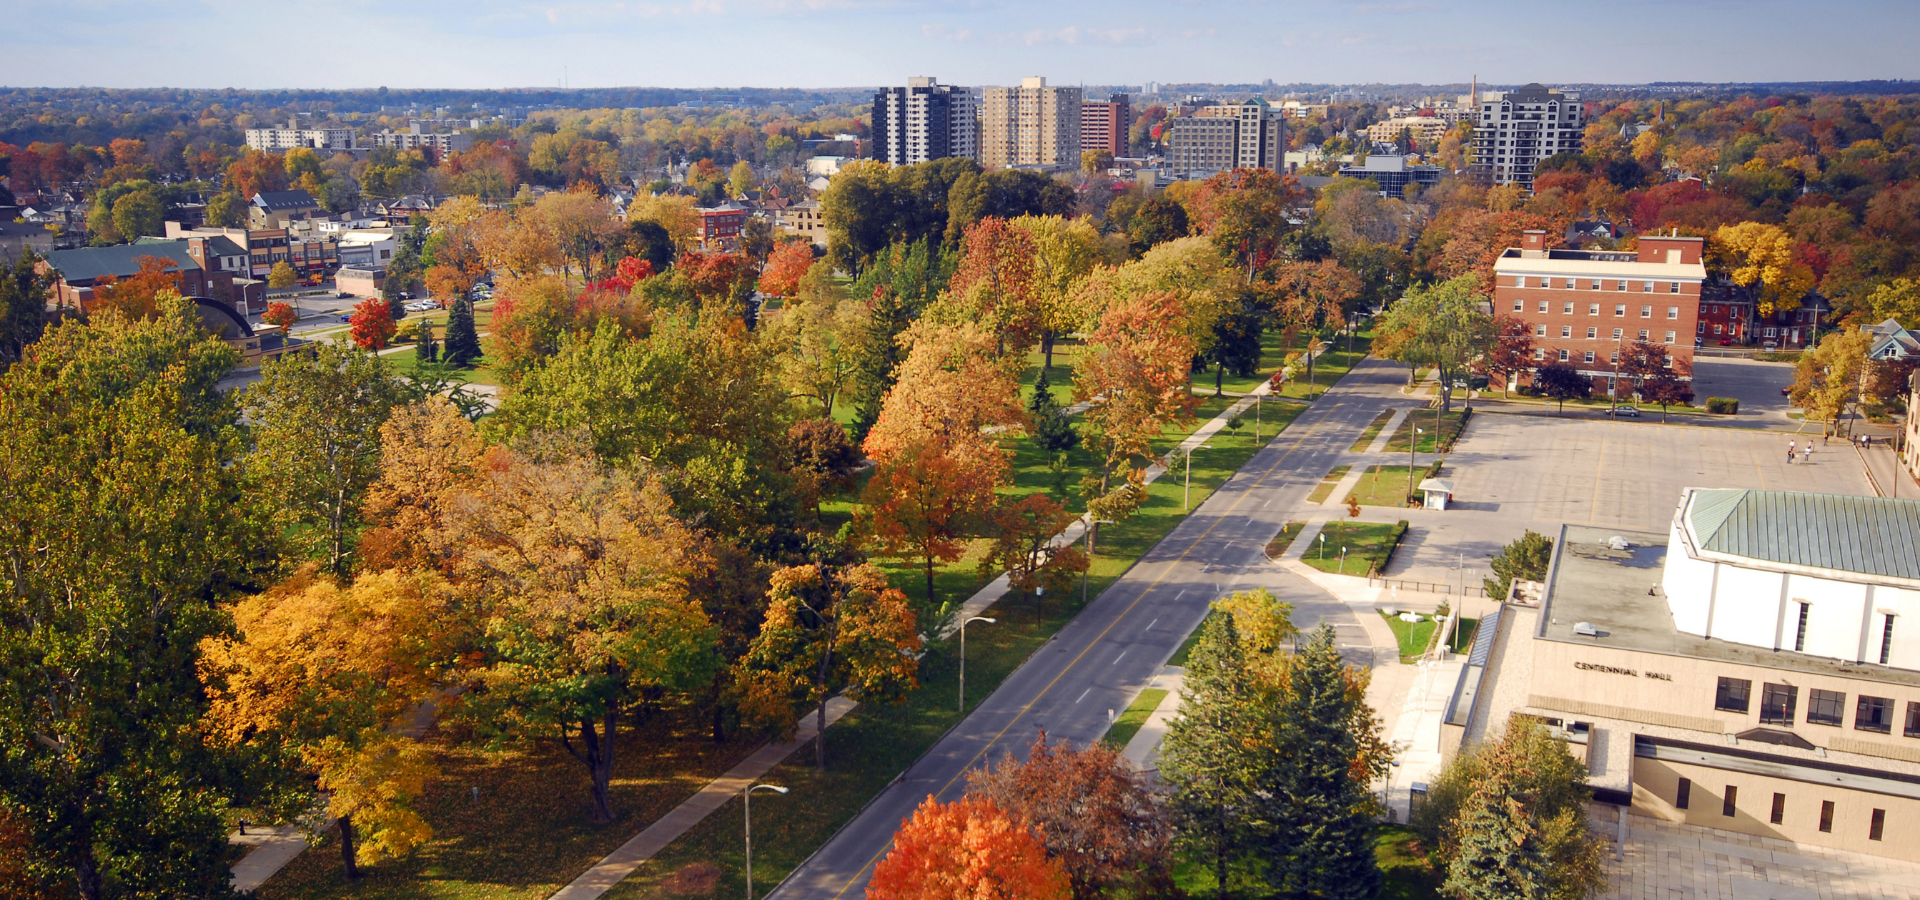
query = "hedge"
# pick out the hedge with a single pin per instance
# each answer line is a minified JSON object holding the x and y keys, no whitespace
{"x":1725,"y":406}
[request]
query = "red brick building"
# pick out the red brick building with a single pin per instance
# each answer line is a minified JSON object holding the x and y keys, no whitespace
{"x":1104,"y":124}
{"x":720,"y":225}
{"x":1585,"y":306}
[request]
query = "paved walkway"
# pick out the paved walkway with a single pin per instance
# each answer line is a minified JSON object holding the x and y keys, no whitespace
{"x":654,"y":838}
{"x":1668,"y":861}
{"x":1143,"y":751}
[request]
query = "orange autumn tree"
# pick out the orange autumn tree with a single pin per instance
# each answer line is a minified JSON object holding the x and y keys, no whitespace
{"x":1023,"y":533}
{"x":924,"y":501}
{"x":998,"y":284}
{"x":429,"y":456}
{"x":372,"y":324}
{"x":136,"y":296}
{"x":786,"y":265}
{"x":952,"y":386}
{"x":1134,"y":371}
{"x":966,"y":850}
{"x":829,"y":629}
{"x":280,"y":315}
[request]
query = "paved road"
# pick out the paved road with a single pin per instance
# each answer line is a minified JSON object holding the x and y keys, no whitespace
{"x":1755,"y":384}
{"x":1123,"y":638}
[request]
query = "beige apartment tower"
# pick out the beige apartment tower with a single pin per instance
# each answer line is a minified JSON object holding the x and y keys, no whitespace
{"x":1031,"y":125}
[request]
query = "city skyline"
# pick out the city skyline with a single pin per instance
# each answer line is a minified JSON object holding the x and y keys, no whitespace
{"x":709,"y":43}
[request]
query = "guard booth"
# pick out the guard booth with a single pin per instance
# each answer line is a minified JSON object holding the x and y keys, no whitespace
{"x":1439,"y":492}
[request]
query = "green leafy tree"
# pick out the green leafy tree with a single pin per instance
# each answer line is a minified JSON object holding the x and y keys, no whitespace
{"x":1445,"y":326}
{"x":122,"y":534}
{"x":1507,"y":819}
{"x":23,"y":307}
{"x":1524,"y":559}
{"x":427,"y":350}
{"x":1828,"y":378}
{"x":463,"y":341}
{"x":316,"y":432}
{"x":227,"y":210}
{"x":1158,"y":221}
{"x":138,"y":215}
{"x":281,"y":276}
{"x":1236,"y":340}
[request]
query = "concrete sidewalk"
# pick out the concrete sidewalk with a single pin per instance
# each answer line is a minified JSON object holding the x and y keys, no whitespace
{"x":620,"y":863}
{"x":1143,"y":751}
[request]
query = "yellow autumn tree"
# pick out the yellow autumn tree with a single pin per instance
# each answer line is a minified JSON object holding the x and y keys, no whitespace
{"x":336,"y":676}
{"x":1757,"y":253}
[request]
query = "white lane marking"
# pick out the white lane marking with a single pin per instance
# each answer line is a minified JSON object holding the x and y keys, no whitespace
{"x":1083,"y":694}
{"x":1116,"y":660}
{"x":1268,"y":503}
{"x":1182,"y":593}
{"x":1151,"y":624}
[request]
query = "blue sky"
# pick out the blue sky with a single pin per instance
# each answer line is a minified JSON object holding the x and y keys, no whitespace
{"x":827,"y":43}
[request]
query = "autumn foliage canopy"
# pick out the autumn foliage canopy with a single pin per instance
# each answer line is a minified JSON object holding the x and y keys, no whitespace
{"x":966,"y":850}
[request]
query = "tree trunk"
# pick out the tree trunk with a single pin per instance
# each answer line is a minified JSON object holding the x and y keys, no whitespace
{"x":929,"y":580}
{"x":1219,"y":369}
{"x":1046,"y":350}
{"x":86,"y":869}
{"x":348,"y":840}
{"x":820,"y":735}
{"x":598,"y":758}
{"x":719,"y":713}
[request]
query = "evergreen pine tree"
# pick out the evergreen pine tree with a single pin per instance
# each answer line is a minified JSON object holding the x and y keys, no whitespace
{"x":1317,"y":841}
{"x":1206,"y":756}
{"x":1501,"y":855}
{"x":427,"y":350}
{"x":463,"y":343}
{"x":1051,"y":430}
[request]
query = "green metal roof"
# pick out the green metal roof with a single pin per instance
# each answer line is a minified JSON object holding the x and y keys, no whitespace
{"x":1862,"y":535}
{"x":119,"y":261}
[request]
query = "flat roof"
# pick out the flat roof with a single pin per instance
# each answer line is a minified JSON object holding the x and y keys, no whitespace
{"x":1619,"y":593}
{"x":1512,"y":261}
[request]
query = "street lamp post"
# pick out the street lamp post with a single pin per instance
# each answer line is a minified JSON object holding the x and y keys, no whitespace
{"x":1410,"y":463}
{"x":1386,"y":797}
{"x":963,"y":657}
{"x":746,"y":798}
{"x":1186,"y":493}
{"x":1343,"y":560}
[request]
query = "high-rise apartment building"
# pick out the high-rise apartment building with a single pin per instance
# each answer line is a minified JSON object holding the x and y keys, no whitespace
{"x":1031,"y":125}
{"x":1250,"y":135}
{"x":1104,"y":124}
{"x":1517,"y":129}
{"x":924,"y":120}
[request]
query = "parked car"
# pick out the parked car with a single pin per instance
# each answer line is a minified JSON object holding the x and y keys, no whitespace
{"x":346,"y":317}
{"x":344,"y":295}
{"x":1625,"y":412}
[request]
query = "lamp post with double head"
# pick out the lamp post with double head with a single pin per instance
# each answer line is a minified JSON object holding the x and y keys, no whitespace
{"x":963,"y":657}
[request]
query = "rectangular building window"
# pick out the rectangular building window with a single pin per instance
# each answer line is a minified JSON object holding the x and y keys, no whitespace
{"x":1619,"y":309}
{"x":1620,"y":285}
{"x":1683,"y":794}
{"x":1669,"y":337}
{"x":1519,"y":306}
{"x":1673,"y":287}
{"x":1618,"y":333}
{"x":1886,"y":640}
{"x":1571,"y":286}
{"x":1800,"y":631}
{"x":1777,"y":703}
{"x":1873,"y":714}
{"x":1540,"y":353}
{"x":1589,"y":356}
{"x":1563,"y":356}
{"x":1826,"y":815}
{"x":1726,"y":803}
{"x":1566,"y":331}
{"x":1913,"y":720}
{"x":1543,"y":306}
{"x":1733,"y":695}
{"x":1779,"y":812}
{"x":1646,"y":312}
{"x":1592,"y":333}
{"x":1673,"y":312}
{"x":1539,"y":331}
{"x":1593,"y":285}
{"x":1646,"y":287}
{"x":1643,"y":334}
{"x":1877,"y":827}
{"x":1567,"y":309}
{"x":1825,"y":707}
{"x":1593,"y":309}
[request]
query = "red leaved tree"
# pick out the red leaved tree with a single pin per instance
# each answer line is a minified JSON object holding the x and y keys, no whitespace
{"x":1512,"y":350}
{"x":1093,"y":813}
{"x":280,"y":315}
{"x":1022,"y":532}
{"x":787,"y":264}
{"x":966,"y":850}
{"x":997,"y":284}
{"x":372,"y":324}
{"x":1246,"y":214}
{"x":1135,"y":372}
{"x":135,"y":295}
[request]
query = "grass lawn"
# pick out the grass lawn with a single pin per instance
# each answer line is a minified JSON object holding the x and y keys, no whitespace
{"x":1385,"y":486}
{"x":527,"y":835}
{"x":1129,"y":722}
{"x":1330,"y":367}
{"x":1413,"y":637}
{"x":1284,"y":539}
{"x":872,"y":745}
{"x":1403,"y":867}
{"x":1327,"y":482}
{"x":1406,"y":875}
{"x":1451,"y":424}
{"x":1369,"y":546}
{"x":1373,"y":431}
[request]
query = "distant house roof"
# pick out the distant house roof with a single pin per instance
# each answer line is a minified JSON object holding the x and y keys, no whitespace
{"x":280,"y":201}
{"x":1869,"y":536}
{"x":90,"y":263}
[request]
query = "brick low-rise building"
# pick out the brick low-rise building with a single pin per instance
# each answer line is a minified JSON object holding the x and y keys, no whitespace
{"x":720,"y":226}
{"x":1586,"y":306}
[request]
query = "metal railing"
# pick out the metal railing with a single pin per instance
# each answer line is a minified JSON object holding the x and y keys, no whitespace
{"x":1426,"y":587}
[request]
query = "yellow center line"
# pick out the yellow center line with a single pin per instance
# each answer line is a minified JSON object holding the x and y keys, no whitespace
{"x":1310,"y":432}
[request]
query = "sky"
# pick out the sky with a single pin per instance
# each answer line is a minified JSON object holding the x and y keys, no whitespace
{"x":846,"y":43}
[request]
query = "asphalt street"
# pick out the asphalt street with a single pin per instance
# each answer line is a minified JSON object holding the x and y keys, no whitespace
{"x":1096,"y":664}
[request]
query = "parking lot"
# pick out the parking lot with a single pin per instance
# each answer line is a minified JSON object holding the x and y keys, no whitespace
{"x":1512,"y":473}
{"x":1755,"y":384}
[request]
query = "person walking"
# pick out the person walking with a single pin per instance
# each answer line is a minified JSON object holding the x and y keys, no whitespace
{"x":1806,"y":453}
{"x":1790,"y":449}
